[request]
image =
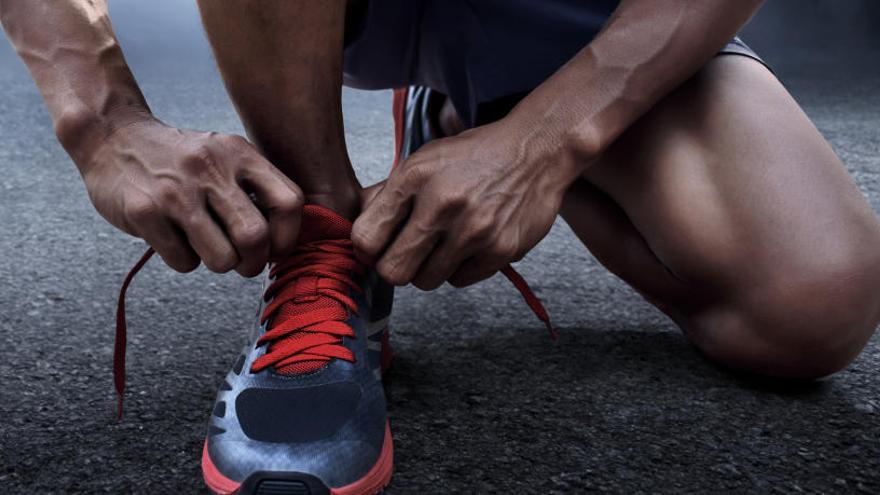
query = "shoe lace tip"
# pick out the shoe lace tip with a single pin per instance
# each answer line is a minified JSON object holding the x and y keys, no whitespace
{"x":121,"y":332}
{"x":531,"y":299}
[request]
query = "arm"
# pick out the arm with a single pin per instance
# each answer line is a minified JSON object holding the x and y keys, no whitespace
{"x":472,"y":203}
{"x":73,"y":56}
{"x":647,"y":49}
{"x":163,"y":184}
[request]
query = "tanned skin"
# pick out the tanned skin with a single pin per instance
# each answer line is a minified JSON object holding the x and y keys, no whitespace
{"x":491,"y":194}
{"x":184,"y":192}
{"x":697,"y":180}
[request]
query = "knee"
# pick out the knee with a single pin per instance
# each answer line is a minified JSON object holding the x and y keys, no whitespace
{"x":804,"y":325}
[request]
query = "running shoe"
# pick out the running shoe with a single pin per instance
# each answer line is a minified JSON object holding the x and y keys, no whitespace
{"x":303,"y":409}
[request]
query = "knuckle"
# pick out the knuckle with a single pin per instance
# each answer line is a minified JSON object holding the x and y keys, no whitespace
{"x":391,"y":274}
{"x":221,"y":263}
{"x":479,"y":228}
{"x":233,"y":140}
{"x":503,"y":249}
{"x":425,"y":226}
{"x":168,"y":193}
{"x":409,"y":173}
{"x":141,"y":209}
{"x":199,"y":160}
{"x":363,"y":241}
{"x":191,"y":219}
{"x":291,"y":201}
{"x":412,"y":175}
{"x":453,"y":201}
{"x":251,"y":234}
{"x":393,"y":196}
{"x":386,"y":274}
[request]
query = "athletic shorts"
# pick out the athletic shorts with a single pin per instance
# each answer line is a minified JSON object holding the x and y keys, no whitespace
{"x":481,"y":54}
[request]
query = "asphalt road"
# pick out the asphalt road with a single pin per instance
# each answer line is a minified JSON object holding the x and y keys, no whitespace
{"x":481,"y":400}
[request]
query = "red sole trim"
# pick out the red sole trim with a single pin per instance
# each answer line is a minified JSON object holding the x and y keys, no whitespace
{"x":376,"y":479}
{"x":214,"y":479}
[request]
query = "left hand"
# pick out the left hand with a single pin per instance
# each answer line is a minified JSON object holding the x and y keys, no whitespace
{"x":461,"y":208}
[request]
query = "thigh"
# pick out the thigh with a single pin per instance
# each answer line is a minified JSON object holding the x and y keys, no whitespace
{"x":731,"y":186}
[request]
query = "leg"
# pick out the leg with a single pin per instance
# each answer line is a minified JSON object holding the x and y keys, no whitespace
{"x":728,"y":210}
{"x":282,"y":65}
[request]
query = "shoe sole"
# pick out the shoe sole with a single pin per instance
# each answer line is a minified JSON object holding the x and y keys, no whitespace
{"x":290,"y":483}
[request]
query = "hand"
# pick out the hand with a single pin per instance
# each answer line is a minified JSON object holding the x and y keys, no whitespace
{"x":464,"y":207}
{"x":187,"y":194}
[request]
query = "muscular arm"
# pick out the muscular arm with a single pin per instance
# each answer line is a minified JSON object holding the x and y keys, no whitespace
{"x":72,"y":54}
{"x":474,"y":202}
{"x":647,"y":49}
{"x":184,"y":192}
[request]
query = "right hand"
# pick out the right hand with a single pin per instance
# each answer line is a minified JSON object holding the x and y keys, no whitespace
{"x":186,"y":193}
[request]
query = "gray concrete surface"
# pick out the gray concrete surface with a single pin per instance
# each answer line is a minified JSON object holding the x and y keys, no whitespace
{"x":481,"y":400}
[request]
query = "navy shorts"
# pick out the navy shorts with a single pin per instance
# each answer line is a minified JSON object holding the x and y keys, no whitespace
{"x":475,"y":52}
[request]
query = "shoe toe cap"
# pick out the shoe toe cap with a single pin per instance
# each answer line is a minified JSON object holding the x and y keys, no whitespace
{"x":333,"y":432}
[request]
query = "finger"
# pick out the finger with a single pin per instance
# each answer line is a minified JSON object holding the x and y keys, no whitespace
{"x":474,"y":270}
{"x":374,"y":229}
{"x":245,"y":226}
{"x":440,"y":265}
{"x":209,"y":241}
{"x":281,"y":202}
{"x":368,"y":194}
{"x":171,"y":244}
{"x":412,"y":246}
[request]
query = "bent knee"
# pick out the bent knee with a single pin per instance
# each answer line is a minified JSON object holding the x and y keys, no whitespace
{"x":806,"y":326}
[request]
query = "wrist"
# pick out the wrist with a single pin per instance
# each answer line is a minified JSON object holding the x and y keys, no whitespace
{"x":543,"y":136}
{"x":82,"y":131}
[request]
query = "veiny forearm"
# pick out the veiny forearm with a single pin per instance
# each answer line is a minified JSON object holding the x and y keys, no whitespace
{"x":647,"y":49}
{"x":74,"y":57}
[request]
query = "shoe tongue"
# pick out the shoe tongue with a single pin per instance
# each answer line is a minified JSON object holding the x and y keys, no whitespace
{"x":319,"y":223}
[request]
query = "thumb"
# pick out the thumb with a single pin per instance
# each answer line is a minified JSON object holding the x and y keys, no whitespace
{"x":368,"y":194}
{"x":384,"y":208}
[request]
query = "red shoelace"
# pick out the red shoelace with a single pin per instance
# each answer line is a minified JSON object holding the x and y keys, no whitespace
{"x":308,"y":306}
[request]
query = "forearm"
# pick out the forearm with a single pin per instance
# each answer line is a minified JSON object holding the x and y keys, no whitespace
{"x":647,"y":49}
{"x":74,"y":57}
